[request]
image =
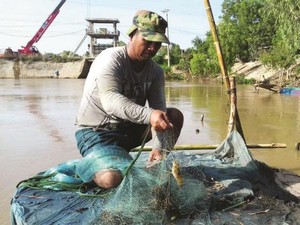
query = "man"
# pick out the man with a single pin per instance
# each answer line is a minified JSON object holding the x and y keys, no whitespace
{"x":123,"y":96}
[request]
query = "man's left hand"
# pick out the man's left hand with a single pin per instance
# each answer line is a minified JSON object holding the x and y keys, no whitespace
{"x":155,"y":155}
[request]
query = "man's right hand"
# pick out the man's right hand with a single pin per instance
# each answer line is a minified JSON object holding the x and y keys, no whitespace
{"x":159,"y":120}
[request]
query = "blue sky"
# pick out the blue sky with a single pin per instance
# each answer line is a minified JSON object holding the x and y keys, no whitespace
{"x":20,"y":20}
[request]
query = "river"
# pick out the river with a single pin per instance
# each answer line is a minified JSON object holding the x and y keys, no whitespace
{"x":37,"y":124}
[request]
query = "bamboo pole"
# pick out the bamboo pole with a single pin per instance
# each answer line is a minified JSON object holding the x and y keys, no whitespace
{"x":213,"y":146}
{"x":221,"y":61}
{"x":233,"y":110}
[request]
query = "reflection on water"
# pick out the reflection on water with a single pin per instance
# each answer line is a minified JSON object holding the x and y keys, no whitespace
{"x":37,"y":124}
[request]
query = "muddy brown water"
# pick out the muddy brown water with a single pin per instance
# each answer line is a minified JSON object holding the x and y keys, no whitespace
{"x":37,"y":124}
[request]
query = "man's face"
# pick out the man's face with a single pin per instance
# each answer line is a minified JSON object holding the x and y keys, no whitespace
{"x":143,"y":49}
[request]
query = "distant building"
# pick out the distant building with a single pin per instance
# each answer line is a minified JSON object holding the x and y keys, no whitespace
{"x":95,"y":31}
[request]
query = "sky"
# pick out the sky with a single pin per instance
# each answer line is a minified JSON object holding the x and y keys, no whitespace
{"x":21,"y":19}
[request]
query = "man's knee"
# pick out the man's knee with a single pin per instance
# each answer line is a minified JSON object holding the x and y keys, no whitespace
{"x":176,"y":117}
{"x":108,"y":178}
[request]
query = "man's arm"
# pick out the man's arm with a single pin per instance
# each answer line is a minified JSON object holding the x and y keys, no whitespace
{"x":109,"y":81}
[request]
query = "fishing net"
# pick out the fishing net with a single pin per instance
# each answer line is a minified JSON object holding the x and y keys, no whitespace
{"x":147,"y":193}
{"x":183,"y":188}
{"x":153,"y":192}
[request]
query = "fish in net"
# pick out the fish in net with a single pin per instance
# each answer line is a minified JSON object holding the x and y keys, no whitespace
{"x":152,"y":194}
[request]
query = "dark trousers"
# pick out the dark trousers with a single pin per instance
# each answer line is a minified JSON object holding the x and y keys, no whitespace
{"x":126,"y":136}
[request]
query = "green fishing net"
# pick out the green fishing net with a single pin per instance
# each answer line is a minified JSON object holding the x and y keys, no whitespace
{"x":151,"y":194}
{"x":224,"y":187}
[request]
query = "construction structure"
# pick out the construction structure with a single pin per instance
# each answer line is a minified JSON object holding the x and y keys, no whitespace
{"x":30,"y":49}
{"x":95,"y":31}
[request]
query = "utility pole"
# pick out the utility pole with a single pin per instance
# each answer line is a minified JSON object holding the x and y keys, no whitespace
{"x":168,"y":46}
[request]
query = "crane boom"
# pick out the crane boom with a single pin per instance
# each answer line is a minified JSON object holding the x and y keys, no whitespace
{"x":29,"y":49}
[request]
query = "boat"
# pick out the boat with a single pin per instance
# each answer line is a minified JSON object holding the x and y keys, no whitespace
{"x":225,"y":186}
{"x":290,"y":90}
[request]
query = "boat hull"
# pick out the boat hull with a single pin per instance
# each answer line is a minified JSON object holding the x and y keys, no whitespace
{"x":290,"y":91}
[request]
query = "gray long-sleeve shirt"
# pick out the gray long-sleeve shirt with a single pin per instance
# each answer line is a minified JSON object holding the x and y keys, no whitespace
{"x":114,"y":93}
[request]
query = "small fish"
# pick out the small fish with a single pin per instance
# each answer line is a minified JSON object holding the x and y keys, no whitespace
{"x":177,"y":174}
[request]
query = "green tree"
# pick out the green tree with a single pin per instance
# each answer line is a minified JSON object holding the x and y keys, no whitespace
{"x":184,"y":62}
{"x":198,"y":64}
{"x":159,"y":58}
{"x":204,"y":59}
{"x":279,"y":57}
{"x":243,"y":31}
{"x":121,"y":43}
{"x":175,"y":53}
{"x":286,"y":41}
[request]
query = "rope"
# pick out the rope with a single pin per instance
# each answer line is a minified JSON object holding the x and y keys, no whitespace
{"x":139,"y":152}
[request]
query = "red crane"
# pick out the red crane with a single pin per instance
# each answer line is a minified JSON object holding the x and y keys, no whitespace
{"x":29,"y":49}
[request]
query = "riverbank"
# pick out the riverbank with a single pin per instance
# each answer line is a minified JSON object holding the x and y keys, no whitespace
{"x":267,"y":76}
{"x":19,"y":69}
{"x":253,"y":70}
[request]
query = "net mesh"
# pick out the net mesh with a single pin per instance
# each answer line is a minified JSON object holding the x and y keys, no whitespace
{"x":181,"y":189}
{"x":154,"y":192}
{"x":151,"y":194}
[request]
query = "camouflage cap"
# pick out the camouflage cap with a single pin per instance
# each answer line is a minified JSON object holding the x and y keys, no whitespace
{"x":151,"y":25}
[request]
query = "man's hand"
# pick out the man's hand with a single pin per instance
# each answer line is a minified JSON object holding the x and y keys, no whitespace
{"x":155,"y":155}
{"x":159,"y":120}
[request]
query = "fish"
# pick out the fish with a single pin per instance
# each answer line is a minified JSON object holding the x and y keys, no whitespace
{"x":177,"y":173}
